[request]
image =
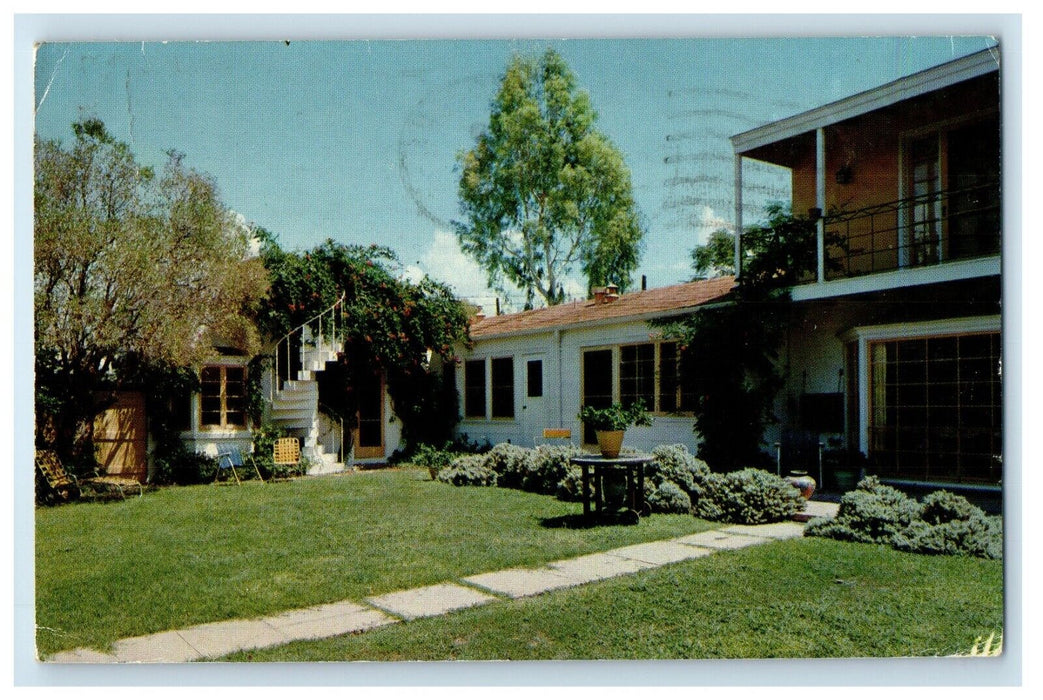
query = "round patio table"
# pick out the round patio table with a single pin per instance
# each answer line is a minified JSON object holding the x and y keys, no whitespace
{"x":634,"y":466}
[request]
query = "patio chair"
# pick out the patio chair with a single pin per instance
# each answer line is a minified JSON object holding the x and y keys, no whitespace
{"x":60,"y":482}
{"x":67,"y":486}
{"x":231,"y":459}
{"x":554,"y":436}
{"x":287,"y":452}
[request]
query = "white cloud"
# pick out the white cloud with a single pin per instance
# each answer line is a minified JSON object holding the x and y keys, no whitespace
{"x":444,"y":261}
{"x":708,"y":221}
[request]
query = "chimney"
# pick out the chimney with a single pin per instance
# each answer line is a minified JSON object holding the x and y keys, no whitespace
{"x":611,"y":293}
{"x":478,"y":315}
{"x":644,"y":283}
{"x":599,"y":296}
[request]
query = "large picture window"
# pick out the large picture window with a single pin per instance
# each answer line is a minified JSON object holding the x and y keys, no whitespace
{"x":936,"y":407}
{"x":222,"y":401}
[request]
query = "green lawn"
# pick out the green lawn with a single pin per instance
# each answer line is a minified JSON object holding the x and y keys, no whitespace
{"x":183,"y":556}
{"x":795,"y":599}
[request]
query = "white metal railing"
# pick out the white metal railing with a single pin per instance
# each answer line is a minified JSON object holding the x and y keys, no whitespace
{"x":284,"y":346}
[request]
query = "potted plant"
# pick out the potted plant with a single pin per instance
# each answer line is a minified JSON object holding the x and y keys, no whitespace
{"x":610,"y":423}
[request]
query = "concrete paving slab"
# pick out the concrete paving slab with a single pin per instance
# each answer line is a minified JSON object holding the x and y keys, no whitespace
{"x":329,"y":621}
{"x":316,"y":613}
{"x":519,"y":583}
{"x":81,"y":656}
{"x":429,"y":600}
{"x":164,"y":647}
{"x":775,"y":531}
{"x":596,"y":567}
{"x":220,"y":638}
{"x":716,"y":539}
{"x":820,"y":509}
{"x":659,"y":553}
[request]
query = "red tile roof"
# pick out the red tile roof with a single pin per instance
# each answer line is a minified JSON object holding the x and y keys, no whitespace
{"x":631,"y":304}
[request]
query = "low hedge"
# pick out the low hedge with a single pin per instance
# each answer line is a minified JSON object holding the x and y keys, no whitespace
{"x":675,"y":482}
{"x":469,"y":470}
{"x":943,"y":523}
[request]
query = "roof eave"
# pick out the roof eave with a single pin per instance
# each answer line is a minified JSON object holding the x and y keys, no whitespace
{"x":936,"y":78}
{"x":592,"y":323}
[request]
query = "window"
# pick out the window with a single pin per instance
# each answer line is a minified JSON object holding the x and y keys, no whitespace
{"x":674,"y":396}
{"x":222,"y":401}
{"x":534,"y":379}
{"x":952,"y":179}
{"x":474,"y":389}
{"x":936,"y":407}
{"x":637,"y":375}
{"x":650,"y":372}
{"x":503,"y":387}
{"x":597,"y":384}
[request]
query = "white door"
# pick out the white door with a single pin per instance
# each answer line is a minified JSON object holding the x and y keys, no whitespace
{"x":534,"y":385}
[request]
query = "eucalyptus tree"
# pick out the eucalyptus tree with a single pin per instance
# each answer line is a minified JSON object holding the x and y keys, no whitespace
{"x":543,"y":191}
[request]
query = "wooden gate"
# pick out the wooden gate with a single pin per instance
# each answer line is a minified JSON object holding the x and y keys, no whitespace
{"x":121,"y":437}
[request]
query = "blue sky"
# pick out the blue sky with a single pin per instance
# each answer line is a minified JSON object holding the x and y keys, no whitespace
{"x":356,"y":140}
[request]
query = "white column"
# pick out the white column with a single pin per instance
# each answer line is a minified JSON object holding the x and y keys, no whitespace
{"x":820,"y":200}
{"x":738,"y":215}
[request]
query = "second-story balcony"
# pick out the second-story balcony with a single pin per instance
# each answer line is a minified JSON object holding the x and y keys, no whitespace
{"x":929,"y":229}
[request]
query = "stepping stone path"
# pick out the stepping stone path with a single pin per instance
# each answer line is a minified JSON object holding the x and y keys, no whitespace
{"x":347,"y":617}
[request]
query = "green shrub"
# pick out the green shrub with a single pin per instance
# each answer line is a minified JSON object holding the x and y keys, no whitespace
{"x":570,"y":488}
{"x":668,"y":497}
{"x":872,"y":513}
{"x":547,"y":466}
{"x":676,"y":464}
{"x":943,"y":524}
{"x":430,"y":456}
{"x":469,"y":470}
{"x":264,"y":438}
{"x":511,"y":464}
{"x":945,"y":507}
{"x":183,"y":467}
{"x":977,"y":536}
{"x":750,"y":496}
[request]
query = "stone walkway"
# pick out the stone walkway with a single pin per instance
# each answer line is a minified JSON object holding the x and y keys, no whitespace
{"x":347,"y":617}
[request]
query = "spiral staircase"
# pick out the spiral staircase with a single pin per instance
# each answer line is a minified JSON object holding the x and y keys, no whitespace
{"x":294,"y":391}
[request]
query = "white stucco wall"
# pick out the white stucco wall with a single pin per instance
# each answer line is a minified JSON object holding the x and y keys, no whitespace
{"x":561,"y":352}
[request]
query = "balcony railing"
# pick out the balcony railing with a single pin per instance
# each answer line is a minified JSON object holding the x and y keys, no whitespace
{"x":929,"y":229}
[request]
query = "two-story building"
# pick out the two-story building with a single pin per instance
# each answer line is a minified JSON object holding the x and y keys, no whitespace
{"x":895,"y":342}
{"x":894,"y":345}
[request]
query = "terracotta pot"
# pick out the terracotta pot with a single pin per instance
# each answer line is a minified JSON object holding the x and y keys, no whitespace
{"x":610,"y":442}
{"x":803,"y":482}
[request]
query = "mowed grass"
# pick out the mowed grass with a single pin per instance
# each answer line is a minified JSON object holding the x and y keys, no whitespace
{"x":804,"y":598}
{"x":183,"y":556}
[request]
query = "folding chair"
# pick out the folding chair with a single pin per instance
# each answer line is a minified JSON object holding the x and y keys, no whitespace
{"x":287,"y":451}
{"x":66,"y":486}
{"x":231,"y":459}
{"x":60,"y":482}
{"x":555,"y":436}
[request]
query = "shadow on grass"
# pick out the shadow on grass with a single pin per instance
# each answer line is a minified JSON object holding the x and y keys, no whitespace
{"x":573,"y":521}
{"x":578,"y":521}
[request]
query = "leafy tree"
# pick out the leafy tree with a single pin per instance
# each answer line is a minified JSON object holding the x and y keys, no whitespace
{"x":715,"y":258}
{"x":129,"y":269}
{"x":543,"y":191}
{"x":730,"y":352}
{"x":389,"y":324}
